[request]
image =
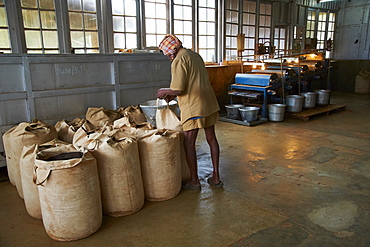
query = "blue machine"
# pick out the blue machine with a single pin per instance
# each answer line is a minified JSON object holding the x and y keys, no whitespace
{"x":254,"y":82}
{"x":253,"y":79}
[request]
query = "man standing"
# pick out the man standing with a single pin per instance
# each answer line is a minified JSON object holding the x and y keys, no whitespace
{"x":197,"y":102}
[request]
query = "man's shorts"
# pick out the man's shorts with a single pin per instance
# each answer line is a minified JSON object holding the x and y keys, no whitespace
{"x":201,"y":123}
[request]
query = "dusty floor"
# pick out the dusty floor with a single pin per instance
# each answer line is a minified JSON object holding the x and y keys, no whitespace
{"x":290,"y":183}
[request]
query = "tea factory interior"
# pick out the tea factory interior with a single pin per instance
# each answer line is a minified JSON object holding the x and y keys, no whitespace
{"x":292,"y":81}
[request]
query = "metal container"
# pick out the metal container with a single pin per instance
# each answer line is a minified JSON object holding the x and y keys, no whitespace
{"x":276,"y":112}
{"x":322,"y":97}
{"x":249,"y":113}
{"x":233,"y":110}
{"x":294,"y":103}
{"x":149,"y":109}
{"x":309,"y":99}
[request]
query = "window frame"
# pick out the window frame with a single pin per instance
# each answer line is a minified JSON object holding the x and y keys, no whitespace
{"x":40,"y":29}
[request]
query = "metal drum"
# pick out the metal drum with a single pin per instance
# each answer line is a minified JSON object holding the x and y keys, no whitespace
{"x":294,"y":103}
{"x":233,"y":110}
{"x":276,"y":112}
{"x":309,"y":99}
{"x":322,"y":97}
{"x":249,"y":113}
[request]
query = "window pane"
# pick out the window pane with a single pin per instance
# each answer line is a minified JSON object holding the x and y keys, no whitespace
{"x":150,"y":10}
{"x":3,"y":21}
{"x":89,"y":5}
{"x":33,"y":39}
{"x":151,"y":40}
{"x":161,"y":26}
{"x":77,"y":38}
{"x":30,"y":18}
{"x":178,"y":14}
{"x":131,"y":24}
{"x":50,"y":39}
{"x":211,"y":28}
{"x":47,"y":4}
{"x":150,"y":25}
{"x":74,"y":5}
{"x":211,"y":15}
{"x":130,"y":7}
{"x":118,"y":23}
{"x":29,"y":3}
{"x":119,"y":41}
{"x":75,"y":20}
{"x":131,"y":40}
{"x":178,"y":27}
{"x":48,"y":19}
{"x":161,"y":11}
{"x":117,"y":7}
{"x":92,"y":39}
{"x":4,"y":38}
{"x":90,"y":21}
{"x":187,"y":41}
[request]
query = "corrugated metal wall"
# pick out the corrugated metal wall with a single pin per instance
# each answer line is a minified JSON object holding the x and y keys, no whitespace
{"x":55,"y":87}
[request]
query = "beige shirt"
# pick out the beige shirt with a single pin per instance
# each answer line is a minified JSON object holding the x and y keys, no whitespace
{"x":189,"y":75}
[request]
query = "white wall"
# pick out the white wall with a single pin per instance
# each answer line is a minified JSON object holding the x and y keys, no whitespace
{"x":56,"y":87}
{"x":352,"y":39}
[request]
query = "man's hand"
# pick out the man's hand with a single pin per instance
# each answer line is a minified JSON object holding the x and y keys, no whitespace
{"x":167,"y":94}
{"x":162,"y":93}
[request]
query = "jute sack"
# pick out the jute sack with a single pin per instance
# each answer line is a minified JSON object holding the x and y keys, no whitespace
{"x":25,"y":134}
{"x":27,"y":162}
{"x":125,"y":122}
{"x":167,"y":119}
{"x":10,"y":162}
{"x":69,"y":191}
{"x":119,"y":170}
{"x":134,"y":113}
{"x":101,"y":116}
{"x":67,"y":129}
{"x":160,"y":164}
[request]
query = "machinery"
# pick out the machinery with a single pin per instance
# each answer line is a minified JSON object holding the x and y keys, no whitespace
{"x":279,"y":78}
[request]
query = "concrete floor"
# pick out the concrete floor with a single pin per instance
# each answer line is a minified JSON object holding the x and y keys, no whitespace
{"x":290,"y":183}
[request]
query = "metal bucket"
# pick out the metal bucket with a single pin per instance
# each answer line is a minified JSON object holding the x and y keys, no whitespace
{"x":309,"y":99}
{"x":249,"y":113}
{"x":149,"y":109}
{"x":233,"y":110}
{"x":322,"y":97}
{"x":294,"y":103}
{"x":276,"y":112}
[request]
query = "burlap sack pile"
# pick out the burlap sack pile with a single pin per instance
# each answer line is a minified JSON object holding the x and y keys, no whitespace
{"x":117,"y":160}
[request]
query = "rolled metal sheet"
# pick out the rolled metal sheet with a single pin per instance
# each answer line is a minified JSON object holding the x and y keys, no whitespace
{"x":253,"y":79}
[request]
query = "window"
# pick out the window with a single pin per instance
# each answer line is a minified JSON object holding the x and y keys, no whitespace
{"x":249,"y":27}
{"x":4,"y":30}
{"x":124,"y":14}
{"x":279,"y":41}
{"x":311,"y":21}
{"x":155,"y":22}
{"x":182,"y":21}
{"x":264,"y":28}
{"x":40,"y":26}
{"x":331,"y":25}
{"x":207,"y":30}
{"x":231,"y":29}
{"x":321,"y":30}
{"x":83,"y":26}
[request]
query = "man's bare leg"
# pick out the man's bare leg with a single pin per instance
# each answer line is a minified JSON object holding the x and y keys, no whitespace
{"x":215,"y":152}
{"x":190,"y":138}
